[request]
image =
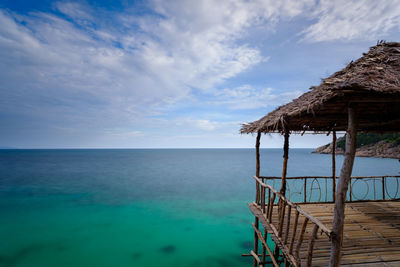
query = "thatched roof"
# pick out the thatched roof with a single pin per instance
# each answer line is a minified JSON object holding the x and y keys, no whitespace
{"x":372,"y":83}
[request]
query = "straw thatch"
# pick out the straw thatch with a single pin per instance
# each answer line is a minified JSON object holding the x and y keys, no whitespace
{"x":372,"y":83}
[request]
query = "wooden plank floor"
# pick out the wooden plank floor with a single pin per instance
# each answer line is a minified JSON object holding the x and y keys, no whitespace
{"x":371,"y":233}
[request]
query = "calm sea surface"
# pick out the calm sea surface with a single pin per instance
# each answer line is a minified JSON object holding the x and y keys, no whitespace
{"x":168,"y":207}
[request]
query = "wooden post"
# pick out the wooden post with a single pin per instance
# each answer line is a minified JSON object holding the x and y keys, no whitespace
{"x":258,"y":154}
{"x":285,"y":161}
{"x":345,"y":174}
{"x":256,"y":225}
{"x":264,"y":247}
{"x":284,"y":171}
{"x":333,"y":166}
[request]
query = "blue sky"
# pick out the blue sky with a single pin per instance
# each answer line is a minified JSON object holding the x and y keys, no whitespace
{"x":146,"y":74}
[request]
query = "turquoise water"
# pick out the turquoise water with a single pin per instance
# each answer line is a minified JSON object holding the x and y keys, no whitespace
{"x":139,"y":207}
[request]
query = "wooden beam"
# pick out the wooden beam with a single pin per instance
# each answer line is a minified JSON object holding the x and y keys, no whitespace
{"x":334,"y":165}
{"x":258,"y":154}
{"x":345,"y":175}
{"x":375,"y":100}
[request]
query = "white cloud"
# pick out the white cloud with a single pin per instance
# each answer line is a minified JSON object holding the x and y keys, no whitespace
{"x":205,"y":125}
{"x":80,"y":70}
{"x":200,"y":124}
{"x":188,"y":124}
{"x":248,"y":97}
{"x":349,"y":20}
{"x":77,"y":11}
{"x":122,"y":134}
{"x":84,"y":68}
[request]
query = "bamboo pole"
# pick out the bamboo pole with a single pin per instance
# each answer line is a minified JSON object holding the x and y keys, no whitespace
{"x":345,"y":174}
{"x":258,"y":154}
{"x":334,"y":165}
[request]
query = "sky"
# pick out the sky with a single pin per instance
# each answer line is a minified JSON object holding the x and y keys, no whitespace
{"x":171,"y":74}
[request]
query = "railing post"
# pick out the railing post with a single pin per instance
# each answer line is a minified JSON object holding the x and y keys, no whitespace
{"x":351,"y":191}
{"x":296,"y":220}
{"x":282,"y":218}
{"x":374,"y":189}
{"x":257,"y":192}
{"x":301,"y":237}
{"x":311,"y":245}
{"x":272,"y":206}
{"x":269,"y":203}
{"x":383,"y":188}
{"x":263,"y":199}
{"x":305,"y":190}
{"x":288,"y":224}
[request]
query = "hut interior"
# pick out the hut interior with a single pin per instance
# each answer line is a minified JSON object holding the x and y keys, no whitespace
{"x":340,"y":229}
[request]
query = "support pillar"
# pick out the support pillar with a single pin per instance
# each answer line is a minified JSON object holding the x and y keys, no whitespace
{"x":256,"y":222}
{"x":334,"y":165}
{"x":284,"y":171}
{"x":285,"y":162}
{"x":345,"y":174}
{"x":258,"y":153}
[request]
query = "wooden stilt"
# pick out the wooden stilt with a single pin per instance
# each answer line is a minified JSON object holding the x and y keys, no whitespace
{"x":255,"y":249}
{"x":264,"y":248}
{"x":345,"y":174}
{"x":256,"y":260}
{"x":334,"y":165}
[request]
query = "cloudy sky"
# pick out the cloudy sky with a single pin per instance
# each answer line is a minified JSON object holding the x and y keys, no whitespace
{"x":145,"y":74}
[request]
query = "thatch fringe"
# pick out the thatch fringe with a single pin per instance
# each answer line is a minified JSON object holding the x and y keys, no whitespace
{"x":376,"y":72}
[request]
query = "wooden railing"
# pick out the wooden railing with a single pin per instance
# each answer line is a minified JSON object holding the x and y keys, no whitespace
{"x":278,"y":212}
{"x":374,"y":188}
{"x":316,"y":189}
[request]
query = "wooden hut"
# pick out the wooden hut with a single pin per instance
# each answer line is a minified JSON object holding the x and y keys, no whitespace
{"x":363,"y":97}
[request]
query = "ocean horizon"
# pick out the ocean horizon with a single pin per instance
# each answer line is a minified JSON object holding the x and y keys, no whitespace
{"x":141,"y":207}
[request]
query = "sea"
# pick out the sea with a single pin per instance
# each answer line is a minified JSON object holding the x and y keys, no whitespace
{"x":140,"y":207}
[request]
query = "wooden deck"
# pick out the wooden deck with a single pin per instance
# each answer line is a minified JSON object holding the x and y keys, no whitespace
{"x":371,"y":233}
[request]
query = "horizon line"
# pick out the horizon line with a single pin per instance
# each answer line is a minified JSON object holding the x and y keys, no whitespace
{"x":127,"y":148}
